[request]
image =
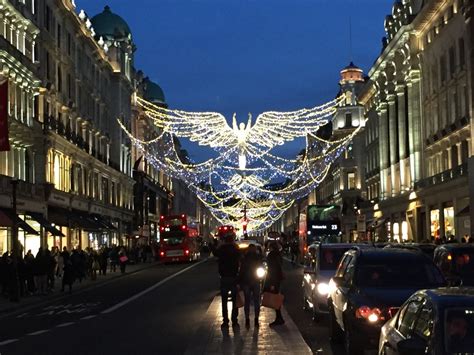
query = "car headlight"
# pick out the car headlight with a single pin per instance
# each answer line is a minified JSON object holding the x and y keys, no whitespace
{"x":260,"y":272}
{"x":323,"y":288}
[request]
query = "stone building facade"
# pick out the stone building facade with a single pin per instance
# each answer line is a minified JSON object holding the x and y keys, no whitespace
{"x":69,"y":78}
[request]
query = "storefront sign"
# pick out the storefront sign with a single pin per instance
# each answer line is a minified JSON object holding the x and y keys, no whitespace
{"x":361,"y":223}
{"x":4,"y":143}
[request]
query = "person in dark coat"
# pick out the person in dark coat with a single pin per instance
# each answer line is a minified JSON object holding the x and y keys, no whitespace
{"x":68,"y":271}
{"x":250,"y":282}
{"x":123,"y":259}
{"x":41,"y":271}
{"x":29,"y":266}
{"x":228,"y":260}
{"x":274,"y":277}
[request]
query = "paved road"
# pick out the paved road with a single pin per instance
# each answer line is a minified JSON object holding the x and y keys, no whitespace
{"x":144,"y":313}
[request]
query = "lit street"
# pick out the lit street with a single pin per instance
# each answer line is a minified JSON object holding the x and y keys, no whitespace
{"x":165,"y":319}
{"x":250,"y":177}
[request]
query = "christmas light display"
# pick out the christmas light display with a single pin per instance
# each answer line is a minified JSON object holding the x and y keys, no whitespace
{"x":246,"y":175}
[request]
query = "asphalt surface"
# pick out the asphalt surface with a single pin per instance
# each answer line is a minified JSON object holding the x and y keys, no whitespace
{"x":153,"y":311}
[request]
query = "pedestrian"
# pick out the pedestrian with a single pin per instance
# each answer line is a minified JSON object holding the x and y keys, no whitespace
{"x":249,"y":282}
{"x":51,"y":269}
{"x":274,"y":277}
{"x":228,"y":261}
{"x":41,"y":271}
{"x":29,"y":268}
{"x":113,"y":255}
{"x":94,"y":260}
{"x":68,"y":271}
{"x":103,"y":257}
{"x":295,"y":251}
{"x":123,"y":259}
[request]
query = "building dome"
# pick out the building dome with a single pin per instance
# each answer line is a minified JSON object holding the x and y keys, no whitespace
{"x":153,"y":92}
{"x":109,"y":25}
{"x":352,"y":73}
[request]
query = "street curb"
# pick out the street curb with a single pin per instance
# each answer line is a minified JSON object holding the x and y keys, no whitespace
{"x":21,"y":308}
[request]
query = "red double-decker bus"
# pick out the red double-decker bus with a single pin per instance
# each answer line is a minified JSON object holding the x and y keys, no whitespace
{"x":177,"y":239}
{"x":223,"y":230}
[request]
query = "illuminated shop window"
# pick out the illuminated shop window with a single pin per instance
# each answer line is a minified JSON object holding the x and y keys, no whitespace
{"x":434,"y":221}
{"x":449,"y":228}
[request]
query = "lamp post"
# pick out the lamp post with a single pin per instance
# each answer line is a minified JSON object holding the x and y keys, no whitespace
{"x":14,"y":286}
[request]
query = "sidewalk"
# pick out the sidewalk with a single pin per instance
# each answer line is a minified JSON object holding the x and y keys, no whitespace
{"x":211,"y":339}
{"x":31,"y":301}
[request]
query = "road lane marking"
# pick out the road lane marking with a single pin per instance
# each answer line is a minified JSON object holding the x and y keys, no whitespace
{"x":89,"y":317}
{"x":9,"y":341}
{"x":64,"y":324}
{"x":39,"y":332}
{"x":151,"y":288}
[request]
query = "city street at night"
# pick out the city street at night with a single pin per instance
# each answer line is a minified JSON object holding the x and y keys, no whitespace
{"x":148,"y":312}
{"x":245,"y":177}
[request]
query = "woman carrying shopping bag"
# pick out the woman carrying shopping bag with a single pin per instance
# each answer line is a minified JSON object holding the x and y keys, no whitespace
{"x":271,"y":291}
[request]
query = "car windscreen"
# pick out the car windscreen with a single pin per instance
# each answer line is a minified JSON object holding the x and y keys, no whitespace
{"x":399,"y":273}
{"x":463,"y":263}
{"x":173,"y":238}
{"x":330,"y":257}
{"x":459,"y":330}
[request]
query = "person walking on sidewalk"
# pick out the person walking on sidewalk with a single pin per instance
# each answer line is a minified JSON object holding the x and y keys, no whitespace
{"x":41,"y":271}
{"x":250,"y":282}
{"x":274,"y":277}
{"x":68,"y":271}
{"x":123,"y":259}
{"x":228,"y":261}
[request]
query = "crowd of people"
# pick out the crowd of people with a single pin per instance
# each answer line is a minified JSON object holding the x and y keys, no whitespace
{"x":40,"y":274}
{"x":238,"y":273}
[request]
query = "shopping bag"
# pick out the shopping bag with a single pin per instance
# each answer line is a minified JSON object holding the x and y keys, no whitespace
{"x":272,"y":300}
{"x":240,"y":299}
{"x":123,"y":259}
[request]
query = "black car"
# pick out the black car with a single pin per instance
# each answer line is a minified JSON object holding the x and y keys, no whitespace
{"x":369,"y":287}
{"x":427,"y":248}
{"x":456,"y":262}
{"x":439,"y":321}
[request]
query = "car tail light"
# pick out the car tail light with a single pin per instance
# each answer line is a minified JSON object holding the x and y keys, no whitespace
{"x":162,"y":253}
{"x":186,"y":252}
{"x":371,"y":314}
{"x":392,"y":311}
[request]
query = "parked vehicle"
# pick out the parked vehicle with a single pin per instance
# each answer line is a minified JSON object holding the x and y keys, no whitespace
{"x":456,"y":262}
{"x":439,"y":321}
{"x":320,"y":264}
{"x":369,"y":287}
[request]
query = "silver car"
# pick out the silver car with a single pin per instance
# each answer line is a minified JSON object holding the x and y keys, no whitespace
{"x":321,"y":262}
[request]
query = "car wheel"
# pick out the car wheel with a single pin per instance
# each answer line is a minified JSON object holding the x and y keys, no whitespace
{"x":352,"y":346}
{"x":335,"y":331}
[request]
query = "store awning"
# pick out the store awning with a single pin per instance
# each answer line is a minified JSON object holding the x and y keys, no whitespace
{"x":465,"y":212}
{"x":74,"y":219}
{"x":59,"y":216}
{"x":38,"y":217}
{"x":8,"y":219}
{"x":103,"y":221}
{"x":85,"y":221}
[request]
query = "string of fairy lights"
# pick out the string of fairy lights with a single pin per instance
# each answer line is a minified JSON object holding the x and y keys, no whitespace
{"x":246,"y":174}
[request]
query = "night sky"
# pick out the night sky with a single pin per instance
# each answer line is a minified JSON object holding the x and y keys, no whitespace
{"x":249,"y":55}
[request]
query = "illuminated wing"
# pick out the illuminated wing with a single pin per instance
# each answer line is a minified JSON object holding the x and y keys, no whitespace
{"x":205,"y":128}
{"x":273,"y":128}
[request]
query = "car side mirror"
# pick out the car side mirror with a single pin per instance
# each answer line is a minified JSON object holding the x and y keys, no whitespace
{"x":412,"y":346}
